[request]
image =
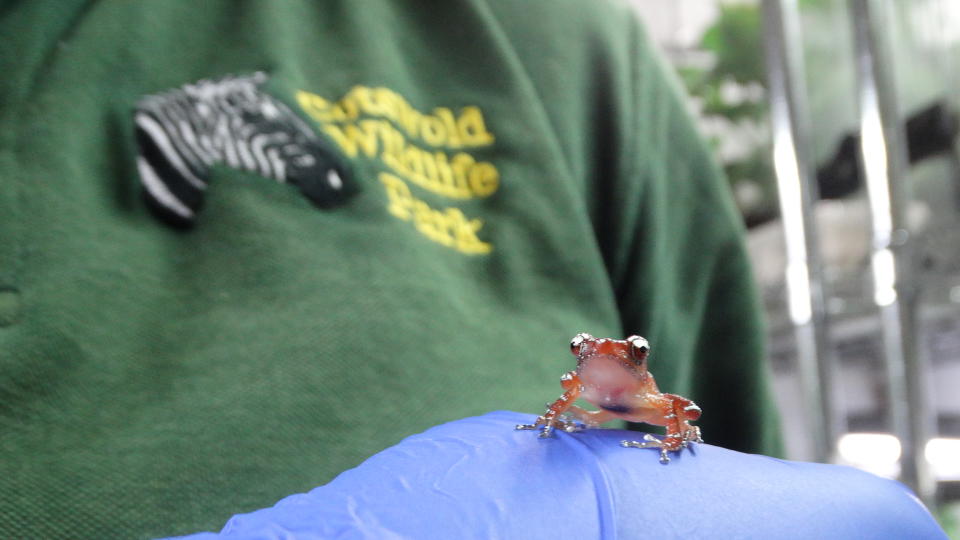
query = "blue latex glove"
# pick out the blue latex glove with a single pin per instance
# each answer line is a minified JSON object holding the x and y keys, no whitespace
{"x":478,"y":478}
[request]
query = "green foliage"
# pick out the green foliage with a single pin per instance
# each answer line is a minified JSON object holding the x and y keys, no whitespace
{"x":714,"y":104}
{"x":736,"y":41}
{"x":948,"y":514}
{"x":816,"y":4}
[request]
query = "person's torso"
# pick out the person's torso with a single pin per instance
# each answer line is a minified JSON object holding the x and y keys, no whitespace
{"x":247,"y":244}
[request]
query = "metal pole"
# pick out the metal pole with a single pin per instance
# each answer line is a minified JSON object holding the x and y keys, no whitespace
{"x":797,"y":192}
{"x":884,"y":158}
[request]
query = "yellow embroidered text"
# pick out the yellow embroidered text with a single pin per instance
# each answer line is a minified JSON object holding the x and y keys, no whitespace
{"x":428,"y":150}
{"x":439,"y":128}
{"x":449,"y":226}
{"x":458,"y":176}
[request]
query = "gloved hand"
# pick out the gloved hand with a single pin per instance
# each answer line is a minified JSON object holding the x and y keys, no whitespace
{"x":478,"y":478}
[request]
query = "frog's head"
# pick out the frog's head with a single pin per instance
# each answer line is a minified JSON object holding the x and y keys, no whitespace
{"x":610,"y":369}
{"x":631,"y":353}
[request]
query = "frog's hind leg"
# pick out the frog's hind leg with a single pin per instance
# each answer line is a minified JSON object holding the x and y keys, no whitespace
{"x":591,"y":418}
{"x":680,"y":433}
{"x":683,"y":411}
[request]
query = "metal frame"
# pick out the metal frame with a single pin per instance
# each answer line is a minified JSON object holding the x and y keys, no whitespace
{"x":797,"y":191}
{"x":884,"y":160}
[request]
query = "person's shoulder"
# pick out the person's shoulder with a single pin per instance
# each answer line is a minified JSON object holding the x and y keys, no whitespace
{"x":561,"y":20}
{"x":578,"y":9}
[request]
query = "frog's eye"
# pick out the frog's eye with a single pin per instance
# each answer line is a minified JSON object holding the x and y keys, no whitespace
{"x":639,"y":348}
{"x":577,"y":342}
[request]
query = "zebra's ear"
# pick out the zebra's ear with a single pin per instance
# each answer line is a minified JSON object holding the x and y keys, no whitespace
{"x":174,"y":183}
{"x":230,"y":122}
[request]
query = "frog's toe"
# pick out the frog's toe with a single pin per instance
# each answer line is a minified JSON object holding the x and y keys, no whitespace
{"x":537,"y":424}
{"x":568,"y":424}
{"x":649,"y":441}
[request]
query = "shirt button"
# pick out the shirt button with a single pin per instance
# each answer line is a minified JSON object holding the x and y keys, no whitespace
{"x":9,"y":306}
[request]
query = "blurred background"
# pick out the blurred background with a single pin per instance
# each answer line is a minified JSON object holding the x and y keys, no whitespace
{"x":836,"y":122}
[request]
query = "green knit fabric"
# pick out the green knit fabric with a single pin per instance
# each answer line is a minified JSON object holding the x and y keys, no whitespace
{"x":155,"y":381}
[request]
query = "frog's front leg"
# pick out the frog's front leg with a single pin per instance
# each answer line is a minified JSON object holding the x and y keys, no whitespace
{"x":551,"y":419}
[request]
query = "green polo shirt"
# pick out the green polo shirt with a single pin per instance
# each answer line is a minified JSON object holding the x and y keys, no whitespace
{"x":245,"y":245}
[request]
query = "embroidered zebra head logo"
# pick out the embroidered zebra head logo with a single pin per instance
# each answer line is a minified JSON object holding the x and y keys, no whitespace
{"x":184,"y":132}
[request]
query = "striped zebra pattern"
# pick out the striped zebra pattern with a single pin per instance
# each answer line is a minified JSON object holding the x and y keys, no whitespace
{"x":184,"y":132}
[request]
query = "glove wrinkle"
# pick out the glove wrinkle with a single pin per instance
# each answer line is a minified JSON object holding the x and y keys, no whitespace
{"x":606,"y":510}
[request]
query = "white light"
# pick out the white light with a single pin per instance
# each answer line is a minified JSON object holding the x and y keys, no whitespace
{"x":798,"y":291}
{"x":874,"y":153}
{"x":788,"y":184}
{"x":884,"y":277}
{"x":799,"y":301}
{"x":936,"y":25}
{"x":878,"y":453}
{"x":944,"y":458}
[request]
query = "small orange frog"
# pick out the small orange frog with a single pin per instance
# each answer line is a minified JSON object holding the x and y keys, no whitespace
{"x":612,"y":374}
